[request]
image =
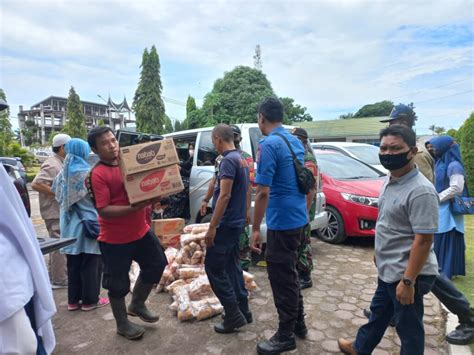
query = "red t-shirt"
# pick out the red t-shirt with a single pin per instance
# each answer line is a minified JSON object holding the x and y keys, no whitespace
{"x":107,"y":189}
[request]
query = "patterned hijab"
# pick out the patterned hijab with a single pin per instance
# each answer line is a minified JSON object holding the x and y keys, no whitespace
{"x":69,"y":184}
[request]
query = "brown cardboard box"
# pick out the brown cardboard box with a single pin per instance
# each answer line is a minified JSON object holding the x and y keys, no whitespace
{"x":154,"y":183}
{"x":168,"y":226}
{"x":170,"y":240}
{"x":147,"y":156}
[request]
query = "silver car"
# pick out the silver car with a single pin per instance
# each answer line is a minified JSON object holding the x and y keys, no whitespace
{"x":202,"y":169}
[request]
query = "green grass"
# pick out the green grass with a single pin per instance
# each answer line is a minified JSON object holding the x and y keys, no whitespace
{"x":466,"y":283}
{"x":31,"y":172}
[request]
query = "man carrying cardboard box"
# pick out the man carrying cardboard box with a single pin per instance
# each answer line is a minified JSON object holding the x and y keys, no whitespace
{"x":124,"y":236}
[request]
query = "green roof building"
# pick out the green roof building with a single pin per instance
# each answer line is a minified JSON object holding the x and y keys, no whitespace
{"x":360,"y":130}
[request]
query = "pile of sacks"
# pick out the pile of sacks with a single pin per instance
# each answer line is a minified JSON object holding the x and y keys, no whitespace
{"x":186,"y":280}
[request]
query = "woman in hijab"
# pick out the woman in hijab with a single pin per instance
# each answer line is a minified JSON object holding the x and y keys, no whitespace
{"x":449,"y":244}
{"x":84,"y":262}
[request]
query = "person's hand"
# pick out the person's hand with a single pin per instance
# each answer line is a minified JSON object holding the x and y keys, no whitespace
{"x":256,"y":245}
{"x":210,"y":236}
{"x":405,"y":294}
{"x":203,"y":208}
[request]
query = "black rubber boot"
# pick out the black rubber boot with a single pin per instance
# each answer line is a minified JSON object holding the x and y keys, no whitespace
{"x":244,"y":308}
{"x":277,"y":344}
{"x":462,"y":335}
{"x":125,"y":328}
{"x":305,"y":280}
{"x":233,"y":320}
{"x":137,"y":307}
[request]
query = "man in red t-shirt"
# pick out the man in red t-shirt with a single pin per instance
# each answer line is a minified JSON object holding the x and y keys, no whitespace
{"x":124,"y":236}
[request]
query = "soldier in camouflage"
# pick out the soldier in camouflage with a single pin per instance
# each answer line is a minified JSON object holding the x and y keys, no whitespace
{"x":305,"y":255}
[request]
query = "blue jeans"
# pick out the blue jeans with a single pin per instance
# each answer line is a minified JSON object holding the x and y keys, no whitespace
{"x":408,"y":318}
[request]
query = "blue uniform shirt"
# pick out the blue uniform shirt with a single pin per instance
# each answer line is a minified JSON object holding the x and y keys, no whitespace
{"x":275,"y":168}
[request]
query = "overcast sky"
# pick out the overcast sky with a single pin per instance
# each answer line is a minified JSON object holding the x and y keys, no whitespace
{"x":330,"y":56}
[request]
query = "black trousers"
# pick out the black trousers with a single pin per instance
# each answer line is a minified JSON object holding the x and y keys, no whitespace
{"x":281,"y":257}
{"x":118,"y":258}
{"x":84,"y":272}
{"x":223,"y":267}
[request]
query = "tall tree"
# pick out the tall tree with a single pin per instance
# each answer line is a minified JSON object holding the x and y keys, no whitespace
{"x":452,"y":132}
{"x":294,"y":112}
{"x":177,"y":126}
{"x":148,"y":103}
{"x":190,"y":105}
{"x":235,"y":97}
{"x":168,"y":125}
{"x":76,"y":120}
{"x":465,"y":134}
{"x":6,"y":134}
{"x":378,"y":109}
{"x":440,"y":130}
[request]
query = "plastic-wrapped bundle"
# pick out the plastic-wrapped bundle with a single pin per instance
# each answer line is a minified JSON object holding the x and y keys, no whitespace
{"x":196,"y":228}
{"x":200,"y":288}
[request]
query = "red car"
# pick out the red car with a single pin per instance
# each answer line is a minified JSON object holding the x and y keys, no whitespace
{"x":352,"y":189}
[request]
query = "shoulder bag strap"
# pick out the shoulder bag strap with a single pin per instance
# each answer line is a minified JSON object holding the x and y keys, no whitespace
{"x":287,"y":143}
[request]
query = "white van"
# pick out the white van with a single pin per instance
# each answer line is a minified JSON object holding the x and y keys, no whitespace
{"x":203,"y":169}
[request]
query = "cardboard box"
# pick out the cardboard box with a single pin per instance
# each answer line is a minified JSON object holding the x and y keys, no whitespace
{"x":168,"y":226}
{"x":147,"y":156}
{"x":154,"y":183}
{"x":170,"y":240}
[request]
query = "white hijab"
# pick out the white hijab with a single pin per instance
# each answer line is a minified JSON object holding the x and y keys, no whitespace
{"x":23,"y":273}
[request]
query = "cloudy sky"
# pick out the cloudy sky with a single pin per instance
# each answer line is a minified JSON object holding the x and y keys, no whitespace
{"x":330,"y":56}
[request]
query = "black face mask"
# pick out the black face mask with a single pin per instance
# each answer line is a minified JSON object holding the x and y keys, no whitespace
{"x":394,"y":161}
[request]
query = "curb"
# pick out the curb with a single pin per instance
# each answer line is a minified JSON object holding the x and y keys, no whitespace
{"x":451,"y":324}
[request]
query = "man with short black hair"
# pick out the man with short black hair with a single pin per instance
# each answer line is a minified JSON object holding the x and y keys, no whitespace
{"x":404,"y":256}
{"x":230,"y":200}
{"x":49,"y":207}
{"x":278,"y":195}
{"x":124,"y":236}
{"x":443,"y":288}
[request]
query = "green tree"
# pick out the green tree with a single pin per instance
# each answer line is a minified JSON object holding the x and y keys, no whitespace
{"x":346,"y":116}
{"x":76,"y":120}
{"x":100,"y":122}
{"x":148,"y":103}
{"x":168,"y":125}
{"x":14,"y":149}
{"x":466,"y":132}
{"x":234,"y":98}
{"x":30,"y":133}
{"x":177,"y":126}
{"x":452,"y":132}
{"x":294,"y":112}
{"x":440,"y":130}
{"x":190,"y":105}
{"x":6,"y":133}
{"x":377,"y":109}
{"x":432,"y":128}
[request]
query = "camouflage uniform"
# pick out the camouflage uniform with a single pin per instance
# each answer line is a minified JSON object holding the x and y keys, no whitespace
{"x":305,"y":256}
{"x":244,"y":241}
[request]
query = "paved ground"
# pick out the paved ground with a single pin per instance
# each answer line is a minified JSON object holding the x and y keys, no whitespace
{"x":344,"y":282}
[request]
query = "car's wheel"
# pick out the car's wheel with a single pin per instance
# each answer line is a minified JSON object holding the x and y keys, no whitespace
{"x":206,"y":218}
{"x":334,"y":232}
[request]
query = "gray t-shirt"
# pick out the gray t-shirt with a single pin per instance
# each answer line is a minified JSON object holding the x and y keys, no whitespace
{"x":407,"y":206}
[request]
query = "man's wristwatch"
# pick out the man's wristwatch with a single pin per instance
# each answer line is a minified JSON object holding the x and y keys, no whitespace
{"x":407,"y":281}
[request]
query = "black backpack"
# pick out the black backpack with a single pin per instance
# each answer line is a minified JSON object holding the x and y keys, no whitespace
{"x":305,"y":177}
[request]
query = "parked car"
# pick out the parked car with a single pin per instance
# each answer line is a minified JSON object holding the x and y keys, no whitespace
{"x":20,"y":185}
{"x":366,"y":153}
{"x":17,"y":164}
{"x":41,"y":156}
{"x":352,"y":190}
{"x":203,"y":169}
